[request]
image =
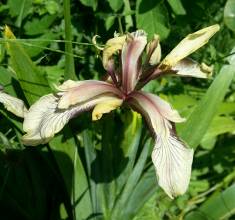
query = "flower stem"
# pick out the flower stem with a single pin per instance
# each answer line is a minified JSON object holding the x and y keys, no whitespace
{"x":69,"y":72}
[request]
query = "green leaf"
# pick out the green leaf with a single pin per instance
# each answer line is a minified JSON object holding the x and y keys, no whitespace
{"x":32,"y":81}
{"x":220,"y":125}
{"x":39,"y":26}
{"x":115,"y":4}
{"x":177,"y":7}
{"x":119,"y":209}
{"x":73,"y":173}
{"x":19,"y":8}
{"x":221,"y":205}
{"x":90,"y":3}
{"x":109,"y":21}
{"x":152,"y":16}
{"x":229,"y":14}
{"x":200,"y":119}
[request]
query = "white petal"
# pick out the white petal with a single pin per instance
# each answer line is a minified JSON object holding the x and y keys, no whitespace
{"x":12,"y":104}
{"x":44,"y":119}
{"x":188,"y":45}
{"x":189,"y":67}
{"x":131,"y":57}
{"x":77,"y":92}
{"x":172,"y":161}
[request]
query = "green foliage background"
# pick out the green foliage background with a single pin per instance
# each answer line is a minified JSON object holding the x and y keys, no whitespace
{"x":102,"y":170}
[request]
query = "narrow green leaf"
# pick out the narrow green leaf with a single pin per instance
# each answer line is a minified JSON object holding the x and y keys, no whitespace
{"x":73,"y":173}
{"x":119,"y":209}
{"x":152,"y":16}
{"x":141,"y":193}
{"x":200,"y":119}
{"x":220,"y":205}
{"x":32,"y":81}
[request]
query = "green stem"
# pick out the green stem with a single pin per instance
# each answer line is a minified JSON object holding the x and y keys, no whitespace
{"x":120,"y":25}
{"x":69,"y":60}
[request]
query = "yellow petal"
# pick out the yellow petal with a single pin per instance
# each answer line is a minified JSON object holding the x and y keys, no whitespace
{"x":105,"y":107}
{"x":8,"y":33}
{"x":112,"y":46}
{"x":153,"y":49}
{"x":188,"y":45}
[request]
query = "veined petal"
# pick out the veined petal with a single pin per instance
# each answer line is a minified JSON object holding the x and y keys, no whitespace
{"x":105,"y":107}
{"x":12,"y":104}
{"x":189,"y":67}
{"x":154,"y":105}
{"x":76,"y":92}
{"x":172,"y":159}
{"x":188,"y":45}
{"x":131,"y":53}
{"x":111,"y":47}
{"x":44,"y":119}
{"x":173,"y":162}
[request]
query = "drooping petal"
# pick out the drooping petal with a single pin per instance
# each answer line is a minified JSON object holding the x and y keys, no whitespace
{"x":44,"y":119}
{"x":189,"y":67}
{"x":12,"y":104}
{"x":188,"y":45}
{"x":172,"y":161}
{"x":76,"y":92}
{"x":131,"y":54}
{"x":171,"y":157}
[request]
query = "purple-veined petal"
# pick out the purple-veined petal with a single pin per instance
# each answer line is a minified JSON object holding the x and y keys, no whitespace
{"x":73,"y":92}
{"x":189,"y":67}
{"x":44,"y":119}
{"x":12,"y":104}
{"x":173,"y":161}
{"x":188,"y":45}
{"x":131,"y":54}
{"x":171,"y":157}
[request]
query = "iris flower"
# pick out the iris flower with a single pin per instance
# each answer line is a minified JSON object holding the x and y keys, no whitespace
{"x":130,"y":62}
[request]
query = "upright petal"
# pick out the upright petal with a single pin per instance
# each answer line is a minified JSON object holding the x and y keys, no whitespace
{"x":44,"y":119}
{"x":188,"y":45}
{"x":111,"y":47}
{"x":131,"y":54}
{"x":77,"y":92}
{"x":12,"y":104}
{"x":153,"y":51}
{"x":171,"y":157}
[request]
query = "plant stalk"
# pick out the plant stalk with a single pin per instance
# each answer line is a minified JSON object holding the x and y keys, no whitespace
{"x":69,"y":72}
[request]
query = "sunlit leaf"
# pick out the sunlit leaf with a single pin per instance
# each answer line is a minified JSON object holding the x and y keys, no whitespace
{"x":200,"y":119}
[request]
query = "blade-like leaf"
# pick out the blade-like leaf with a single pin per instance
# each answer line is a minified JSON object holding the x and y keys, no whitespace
{"x":73,"y":174}
{"x":199,"y":121}
{"x":32,"y":81}
{"x":221,"y":205}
